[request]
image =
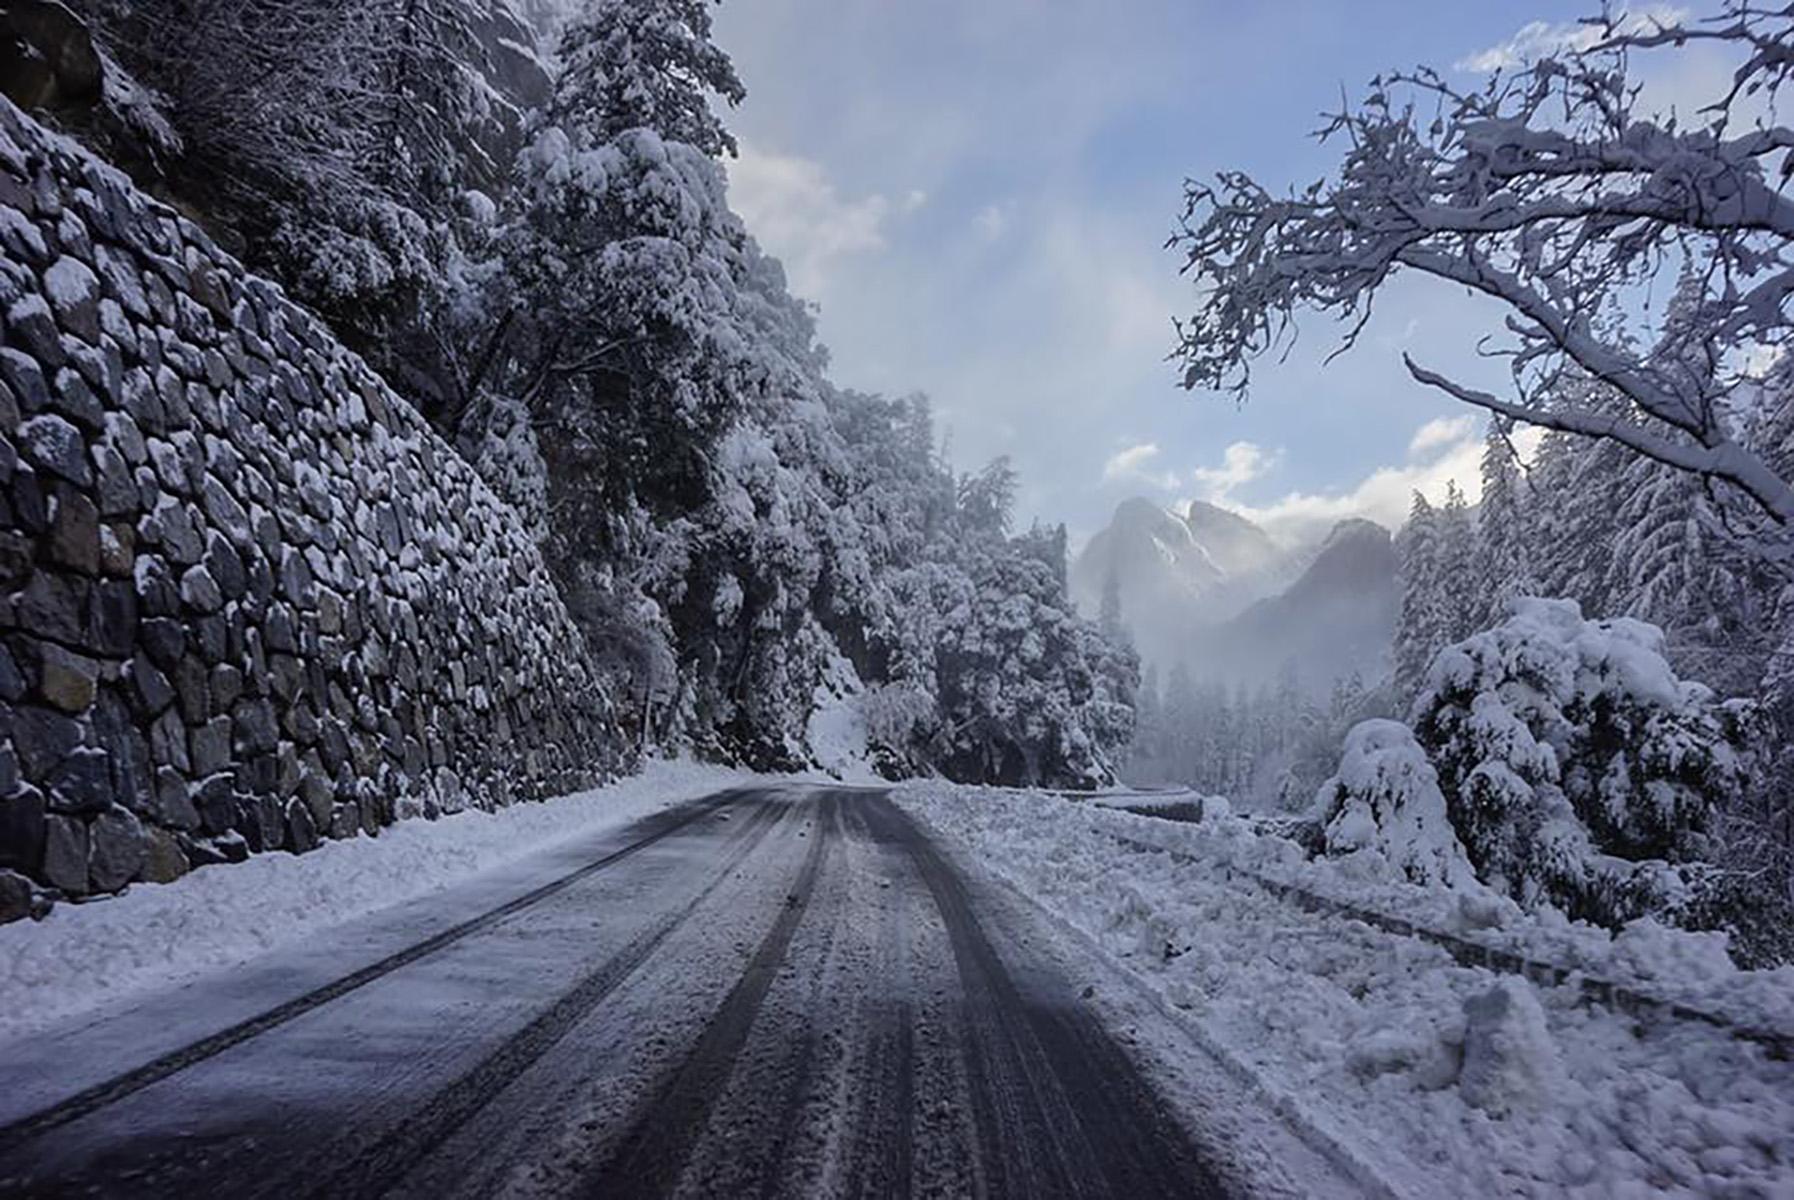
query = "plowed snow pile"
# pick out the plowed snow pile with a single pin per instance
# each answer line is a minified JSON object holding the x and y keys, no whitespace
{"x":1448,"y":1080}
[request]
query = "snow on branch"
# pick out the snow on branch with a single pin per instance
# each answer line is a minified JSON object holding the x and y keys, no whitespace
{"x":1551,"y":191}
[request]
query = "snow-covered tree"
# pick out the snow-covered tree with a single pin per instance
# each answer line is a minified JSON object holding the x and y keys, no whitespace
{"x":333,"y":143}
{"x":1385,"y":797}
{"x":1576,"y":767}
{"x":1459,"y":574}
{"x":1503,"y":529}
{"x":1553,"y":192}
{"x":1674,"y":561}
{"x":1441,"y":579}
{"x":1577,"y":482}
{"x":1422,"y":626}
{"x":646,"y":64}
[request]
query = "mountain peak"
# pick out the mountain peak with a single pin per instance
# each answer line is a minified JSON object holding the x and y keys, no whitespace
{"x":1336,"y":618}
{"x":1355,"y":529}
{"x":1236,"y":545}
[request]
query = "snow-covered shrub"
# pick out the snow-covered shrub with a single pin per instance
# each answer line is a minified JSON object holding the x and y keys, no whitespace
{"x":1576,"y":768}
{"x":897,"y":717}
{"x":1385,"y":797}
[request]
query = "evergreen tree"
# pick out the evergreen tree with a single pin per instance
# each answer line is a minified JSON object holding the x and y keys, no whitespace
{"x":1504,"y":531}
{"x":646,"y":64}
{"x":1421,"y":628}
{"x":1457,"y":596}
{"x":1579,"y":488}
{"x":1673,"y":563}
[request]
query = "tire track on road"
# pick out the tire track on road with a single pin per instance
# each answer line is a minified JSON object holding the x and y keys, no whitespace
{"x":883,"y":1131}
{"x":99,"y":1096}
{"x":1029,"y":1056}
{"x":650,"y":1158}
{"x":378,"y":1167}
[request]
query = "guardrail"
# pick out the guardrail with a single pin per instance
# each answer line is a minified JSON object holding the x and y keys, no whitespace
{"x":1628,"y":999}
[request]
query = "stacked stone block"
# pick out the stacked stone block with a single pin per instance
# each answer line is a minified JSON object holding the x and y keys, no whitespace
{"x":248,"y":599}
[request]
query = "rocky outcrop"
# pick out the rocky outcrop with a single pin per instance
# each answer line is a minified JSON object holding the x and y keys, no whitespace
{"x":248,"y":600}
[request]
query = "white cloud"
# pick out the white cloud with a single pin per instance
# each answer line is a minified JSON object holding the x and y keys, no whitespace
{"x":1241,"y":463}
{"x":992,"y":220}
{"x":798,"y":215}
{"x":1124,"y":464}
{"x":1537,"y":39}
{"x":1442,"y":450}
{"x":1440,"y":431}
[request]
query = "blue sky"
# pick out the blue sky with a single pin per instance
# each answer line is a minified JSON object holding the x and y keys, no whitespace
{"x":977,"y":194}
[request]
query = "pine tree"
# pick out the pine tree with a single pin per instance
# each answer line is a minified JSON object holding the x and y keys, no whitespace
{"x":1673,"y":563}
{"x":1504,"y":532}
{"x":1456,"y":597}
{"x":1421,"y":627}
{"x":1579,"y":489}
{"x":646,"y":64}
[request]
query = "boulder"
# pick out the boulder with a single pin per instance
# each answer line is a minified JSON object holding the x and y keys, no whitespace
{"x":42,"y":739}
{"x":22,"y":829}
{"x":67,"y":680}
{"x":52,"y":443}
{"x":117,"y":845}
{"x":163,"y":859}
{"x":65,"y":855}
{"x":15,"y":896}
{"x":83,"y":783}
{"x":74,"y":293}
{"x":74,"y":540}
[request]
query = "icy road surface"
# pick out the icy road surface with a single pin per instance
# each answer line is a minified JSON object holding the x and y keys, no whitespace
{"x":781,"y":991}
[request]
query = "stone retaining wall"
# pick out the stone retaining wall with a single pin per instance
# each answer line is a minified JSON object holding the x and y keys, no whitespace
{"x":248,"y":599}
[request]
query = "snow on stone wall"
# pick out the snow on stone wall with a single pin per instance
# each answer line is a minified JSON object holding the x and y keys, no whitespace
{"x":247,"y":598}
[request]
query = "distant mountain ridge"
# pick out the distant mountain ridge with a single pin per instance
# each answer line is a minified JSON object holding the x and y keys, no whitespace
{"x":1337,"y":618}
{"x":1215,"y":591}
{"x":1235,"y":544}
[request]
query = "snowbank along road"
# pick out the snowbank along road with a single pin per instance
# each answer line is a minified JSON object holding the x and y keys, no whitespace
{"x":765,"y":992}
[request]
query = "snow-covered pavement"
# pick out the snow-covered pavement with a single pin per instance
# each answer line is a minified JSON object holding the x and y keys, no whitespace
{"x":1409,"y":1071}
{"x":774,"y":990}
{"x":789,"y":988}
{"x":87,"y":958}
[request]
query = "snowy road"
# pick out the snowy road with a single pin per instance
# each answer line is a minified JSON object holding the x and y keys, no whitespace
{"x":780,"y":991}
